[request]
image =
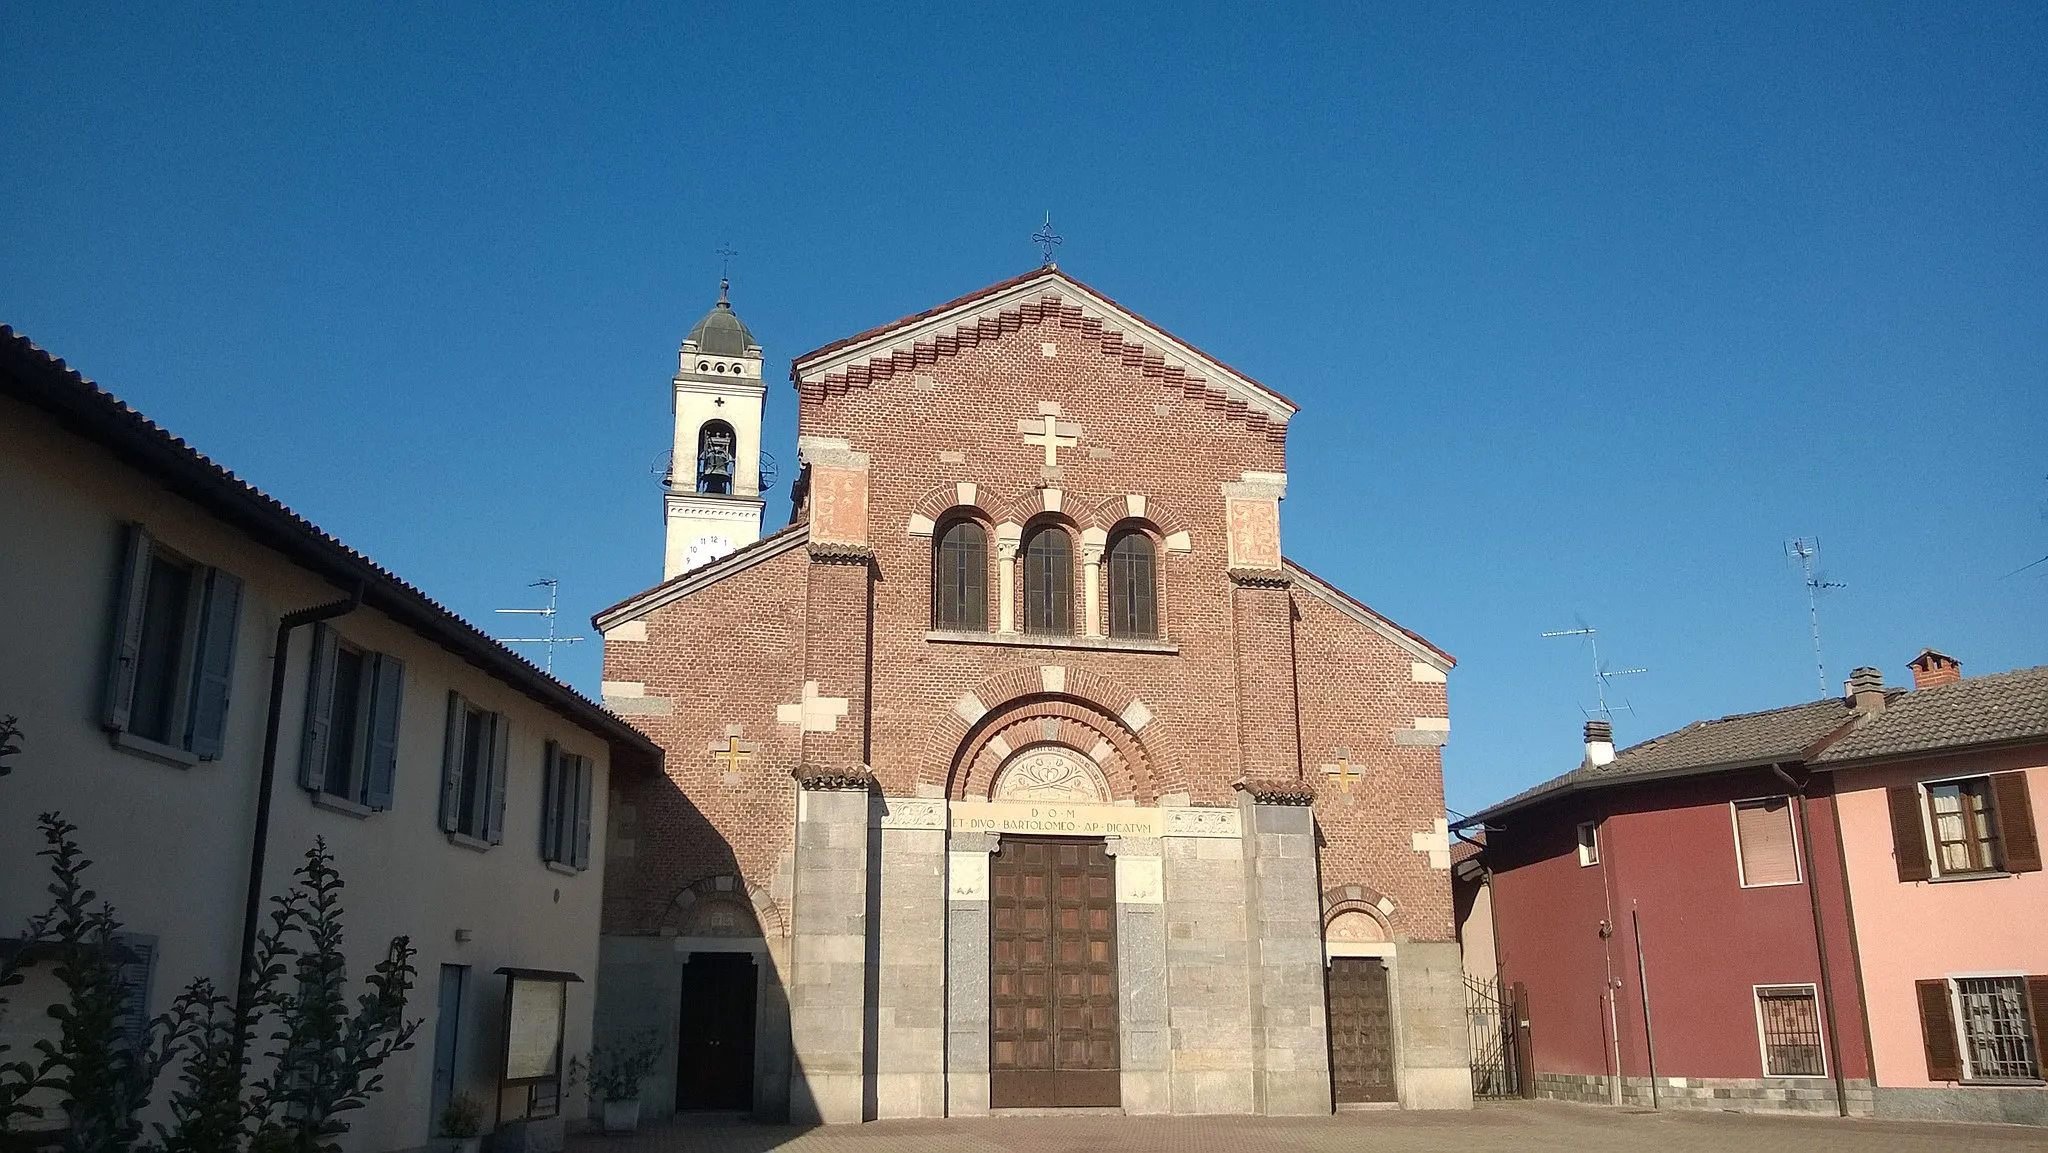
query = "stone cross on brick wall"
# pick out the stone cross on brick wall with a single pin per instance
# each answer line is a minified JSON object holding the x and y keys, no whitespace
{"x":732,"y":750}
{"x":814,"y":713}
{"x":1344,"y":771}
{"x":1049,"y":432}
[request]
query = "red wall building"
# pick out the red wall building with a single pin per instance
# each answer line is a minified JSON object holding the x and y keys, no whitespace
{"x":1631,"y":870}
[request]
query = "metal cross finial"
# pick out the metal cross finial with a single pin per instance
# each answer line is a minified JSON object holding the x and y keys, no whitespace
{"x":1046,"y":239}
{"x":725,"y":253}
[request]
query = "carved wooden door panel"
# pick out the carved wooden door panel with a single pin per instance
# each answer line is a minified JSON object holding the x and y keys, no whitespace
{"x":1052,"y":979}
{"x":1361,"y":1031}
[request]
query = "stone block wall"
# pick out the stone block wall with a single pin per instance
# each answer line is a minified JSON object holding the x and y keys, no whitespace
{"x":908,"y":955}
{"x":1291,"y":1074}
{"x":1434,"y":1056}
{"x":1141,"y":975}
{"x":828,"y":992}
{"x":1209,"y":1011}
{"x":1739,"y":1094}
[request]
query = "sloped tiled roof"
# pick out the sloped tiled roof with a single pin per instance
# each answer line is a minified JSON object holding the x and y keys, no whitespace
{"x":81,"y":407}
{"x":1982,"y":710}
{"x":1741,"y":741}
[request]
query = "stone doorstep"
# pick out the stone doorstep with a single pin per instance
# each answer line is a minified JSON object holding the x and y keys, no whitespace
{"x":1061,"y":1111}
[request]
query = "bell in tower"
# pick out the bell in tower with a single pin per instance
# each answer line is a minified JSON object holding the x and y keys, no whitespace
{"x":716,"y":507}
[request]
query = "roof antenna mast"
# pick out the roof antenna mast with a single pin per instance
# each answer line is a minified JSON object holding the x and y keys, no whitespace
{"x":547,"y":614}
{"x":1805,"y":552}
{"x":1601,"y":673}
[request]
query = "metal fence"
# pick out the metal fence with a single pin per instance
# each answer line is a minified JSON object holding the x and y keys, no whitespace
{"x":1489,"y":1012}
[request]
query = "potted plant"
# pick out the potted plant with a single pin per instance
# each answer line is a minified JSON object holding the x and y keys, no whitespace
{"x":463,"y":1121}
{"x":616,"y":1069}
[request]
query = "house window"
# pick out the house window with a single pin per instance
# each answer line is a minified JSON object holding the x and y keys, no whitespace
{"x":565,"y":808}
{"x":349,"y":748}
{"x":173,"y":656}
{"x":1765,"y":848}
{"x":1789,"y":1018}
{"x":1589,"y":843}
{"x":473,"y":772}
{"x":1048,"y":581}
{"x":1963,"y":827}
{"x":1133,"y":588}
{"x":1965,"y":839}
{"x":960,"y":577}
{"x":1998,"y":1038}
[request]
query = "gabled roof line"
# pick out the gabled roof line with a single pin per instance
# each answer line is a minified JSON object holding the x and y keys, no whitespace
{"x":683,"y":584}
{"x":816,"y":366}
{"x":83,"y":409}
{"x":1364,"y":614}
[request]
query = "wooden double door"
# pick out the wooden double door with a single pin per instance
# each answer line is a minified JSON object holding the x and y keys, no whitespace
{"x":1052,"y":975}
{"x":1361,"y":1031}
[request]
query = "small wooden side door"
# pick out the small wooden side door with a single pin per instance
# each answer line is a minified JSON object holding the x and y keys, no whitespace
{"x":1361,"y":1031}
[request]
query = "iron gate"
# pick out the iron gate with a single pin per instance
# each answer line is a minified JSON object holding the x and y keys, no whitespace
{"x":1490,"y":1014}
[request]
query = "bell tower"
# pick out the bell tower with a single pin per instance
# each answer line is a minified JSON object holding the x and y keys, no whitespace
{"x":714,"y":478}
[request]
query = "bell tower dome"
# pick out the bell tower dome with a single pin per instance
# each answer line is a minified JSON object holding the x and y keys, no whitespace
{"x":714,"y":481}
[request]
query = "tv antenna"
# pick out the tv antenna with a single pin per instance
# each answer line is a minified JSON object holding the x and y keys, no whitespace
{"x":1805,"y":552}
{"x":548,"y":614}
{"x":1601,"y":673}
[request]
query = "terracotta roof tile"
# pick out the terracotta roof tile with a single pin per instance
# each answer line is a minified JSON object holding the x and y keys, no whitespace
{"x":1982,"y":710}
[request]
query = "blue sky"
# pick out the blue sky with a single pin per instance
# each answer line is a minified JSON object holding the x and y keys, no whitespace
{"x":1588,"y":309}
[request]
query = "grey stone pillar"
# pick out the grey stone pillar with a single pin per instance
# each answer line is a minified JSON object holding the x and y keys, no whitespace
{"x":1141,"y":974}
{"x":1435,"y":1064}
{"x":1208,"y":986}
{"x":828,"y":979}
{"x":910,"y":981}
{"x":967,"y":1015}
{"x":1291,"y":1070}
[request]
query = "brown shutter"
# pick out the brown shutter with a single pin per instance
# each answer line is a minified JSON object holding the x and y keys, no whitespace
{"x":1909,"y":836}
{"x":2037,"y":1005}
{"x":1765,"y":830}
{"x":2015,"y":815}
{"x":1938,"y":1032}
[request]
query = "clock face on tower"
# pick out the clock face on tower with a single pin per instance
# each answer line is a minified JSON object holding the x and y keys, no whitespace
{"x":705,"y":549}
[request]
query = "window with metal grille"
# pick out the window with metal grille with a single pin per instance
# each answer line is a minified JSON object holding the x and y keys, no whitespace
{"x":1790,"y":1020}
{"x":960,"y":577}
{"x":1048,"y":581}
{"x":1997,"y":1042}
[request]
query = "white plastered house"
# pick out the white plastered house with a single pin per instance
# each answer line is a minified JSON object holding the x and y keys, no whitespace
{"x":144,"y":595}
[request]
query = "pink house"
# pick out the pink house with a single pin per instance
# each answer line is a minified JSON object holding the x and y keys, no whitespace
{"x":1937,"y":794}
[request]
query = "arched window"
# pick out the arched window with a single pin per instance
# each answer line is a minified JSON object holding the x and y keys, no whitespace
{"x":1133,"y":586}
{"x":1048,"y":581}
{"x":960,"y":577}
{"x":716,"y":457}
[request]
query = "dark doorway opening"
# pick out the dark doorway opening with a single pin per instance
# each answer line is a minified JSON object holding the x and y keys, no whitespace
{"x":1361,"y":1031}
{"x":1052,"y":975}
{"x":715,"y":1038}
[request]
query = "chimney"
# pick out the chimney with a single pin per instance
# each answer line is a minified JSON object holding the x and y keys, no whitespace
{"x":1933,"y":668}
{"x":1866,"y":690}
{"x":1599,"y":743}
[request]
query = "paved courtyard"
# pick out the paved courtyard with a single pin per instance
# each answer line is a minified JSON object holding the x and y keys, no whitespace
{"x":1520,"y":1127}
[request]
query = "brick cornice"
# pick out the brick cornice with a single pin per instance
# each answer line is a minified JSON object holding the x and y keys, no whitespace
{"x":818,"y":779}
{"x":1271,"y":792}
{"x":1259,"y":578}
{"x":1046,"y":297}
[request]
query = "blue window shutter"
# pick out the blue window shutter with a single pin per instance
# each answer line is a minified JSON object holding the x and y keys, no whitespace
{"x":579,"y":795}
{"x":387,"y":695}
{"x":134,"y":963}
{"x":501,"y":747}
{"x":126,"y":649}
{"x":319,"y":708}
{"x":451,"y":764}
{"x":551,"y":767}
{"x":214,"y":668}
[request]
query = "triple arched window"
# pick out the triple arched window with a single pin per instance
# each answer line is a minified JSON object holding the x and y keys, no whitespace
{"x":1049,"y":594}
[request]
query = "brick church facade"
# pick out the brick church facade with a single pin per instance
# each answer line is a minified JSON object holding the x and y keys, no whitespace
{"x":1020,"y":769}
